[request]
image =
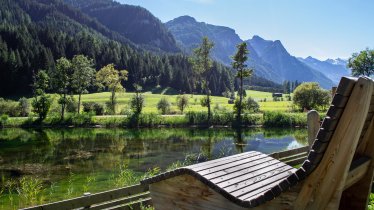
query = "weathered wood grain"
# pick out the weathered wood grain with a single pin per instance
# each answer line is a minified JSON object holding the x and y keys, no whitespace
{"x":326,"y":183}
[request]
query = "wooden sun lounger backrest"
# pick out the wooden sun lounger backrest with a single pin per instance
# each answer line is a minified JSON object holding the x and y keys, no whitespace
{"x":329,"y":161}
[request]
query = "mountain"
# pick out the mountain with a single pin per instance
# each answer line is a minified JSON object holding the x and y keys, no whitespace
{"x":35,"y":33}
{"x":189,"y":33}
{"x":269,"y":58}
{"x":332,"y":68}
{"x":286,"y":65}
{"x":133,"y":22}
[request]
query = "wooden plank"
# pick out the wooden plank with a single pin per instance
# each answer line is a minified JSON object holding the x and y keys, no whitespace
{"x":357,"y":173}
{"x":319,"y":146}
{"x":258,"y":181}
{"x":221,"y":161}
{"x":346,"y":85}
{"x":237,"y":182}
{"x":133,"y":206}
{"x":92,"y":199}
{"x":251,"y":189}
{"x":293,"y":157}
{"x":325,"y":184}
{"x":339,"y":101}
{"x":329,"y":124}
{"x":296,"y":161}
{"x":324,"y":135}
{"x":120,"y":202}
{"x":287,"y":153}
{"x":245,"y":168}
{"x":235,"y":164}
{"x":358,"y":194}
{"x":334,"y":112}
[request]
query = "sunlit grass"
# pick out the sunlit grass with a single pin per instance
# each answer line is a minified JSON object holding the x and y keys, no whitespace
{"x":151,"y":101}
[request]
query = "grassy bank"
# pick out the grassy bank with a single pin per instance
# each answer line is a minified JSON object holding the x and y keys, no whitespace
{"x":199,"y":119}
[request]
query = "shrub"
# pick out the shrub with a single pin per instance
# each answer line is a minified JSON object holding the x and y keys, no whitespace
{"x":164,"y":106}
{"x":41,"y":105}
{"x":94,"y":107}
{"x":9,"y":108}
{"x":182,"y":102}
{"x":3,"y":119}
{"x":24,"y":107}
{"x":279,"y":119}
{"x":310,"y":95}
{"x":252,"y":105}
{"x":71,"y":105}
{"x":84,"y":119}
{"x":137,"y":103}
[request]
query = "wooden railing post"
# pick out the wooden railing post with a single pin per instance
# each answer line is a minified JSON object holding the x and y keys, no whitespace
{"x":313,"y":126}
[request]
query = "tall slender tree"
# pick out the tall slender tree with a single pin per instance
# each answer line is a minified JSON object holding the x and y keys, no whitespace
{"x":239,"y":65}
{"x":41,"y":102}
{"x":202,"y":64}
{"x":83,"y":75}
{"x":111,"y":78}
{"x":61,"y":81}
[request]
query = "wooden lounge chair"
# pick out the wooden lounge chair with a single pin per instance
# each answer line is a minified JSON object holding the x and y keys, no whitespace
{"x":337,"y":173}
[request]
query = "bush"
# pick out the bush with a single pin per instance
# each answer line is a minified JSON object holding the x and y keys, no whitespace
{"x":164,"y":106}
{"x":84,"y":119}
{"x":24,"y":107}
{"x":279,"y":119}
{"x":94,"y":107}
{"x":41,"y":105}
{"x":9,"y":108}
{"x":252,"y":105}
{"x":182,"y":102}
{"x":310,"y":95}
{"x":71,"y":105}
{"x":3,"y":120}
{"x":137,"y":103}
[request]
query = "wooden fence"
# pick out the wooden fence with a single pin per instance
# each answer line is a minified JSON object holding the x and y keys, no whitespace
{"x":137,"y":196}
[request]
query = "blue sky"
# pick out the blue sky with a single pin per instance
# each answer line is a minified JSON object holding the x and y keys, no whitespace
{"x":320,"y":28}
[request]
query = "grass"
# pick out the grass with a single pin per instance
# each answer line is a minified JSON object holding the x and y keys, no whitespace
{"x":151,"y":101}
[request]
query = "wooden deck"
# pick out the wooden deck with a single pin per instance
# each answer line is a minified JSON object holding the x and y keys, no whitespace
{"x":134,"y":197}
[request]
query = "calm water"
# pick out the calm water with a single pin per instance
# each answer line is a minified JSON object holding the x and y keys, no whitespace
{"x":70,"y":162}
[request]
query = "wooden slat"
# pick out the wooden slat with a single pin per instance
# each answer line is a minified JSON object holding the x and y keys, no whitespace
{"x":92,"y":199}
{"x":221,"y":161}
{"x":319,"y":146}
{"x":296,"y":161}
{"x":324,"y":186}
{"x":287,"y":153}
{"x":293,"y":157}
{"x":357,"y":172}
{"x":339,"y":101}
{"x":329,"y":124}
{"x":334,"y":112}
{"x":261,"y":186}
{"x":133,"y":206}
{"x":255,"y":182}
{"x":245,"y":168}
{"x":246,"y":179}
{"x":120,"y":202}
{"x":346,"y":85}
{"x":232,"y":164}
{"x":324,"y":135}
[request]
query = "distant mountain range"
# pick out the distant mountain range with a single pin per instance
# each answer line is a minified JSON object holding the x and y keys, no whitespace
{"x":334,"y":69}
{"x":35,"y":33}
{"x":269,"y":58}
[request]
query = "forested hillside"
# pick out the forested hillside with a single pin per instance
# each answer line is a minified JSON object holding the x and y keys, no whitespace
{"x":33,"y":34}
{"x":134,"y":22}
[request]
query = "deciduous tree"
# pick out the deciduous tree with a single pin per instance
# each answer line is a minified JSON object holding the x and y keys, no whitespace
{"x":83,"y":75}
{"x":362,"y":63}
{"x":111,"y":78}
{"x":61,"y":81}
{"x":310,"y":95}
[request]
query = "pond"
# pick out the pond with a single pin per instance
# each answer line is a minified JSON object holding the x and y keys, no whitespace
{"x":40,"y":166}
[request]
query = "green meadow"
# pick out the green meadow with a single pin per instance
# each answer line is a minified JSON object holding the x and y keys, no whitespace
{"x":219,"y":103}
